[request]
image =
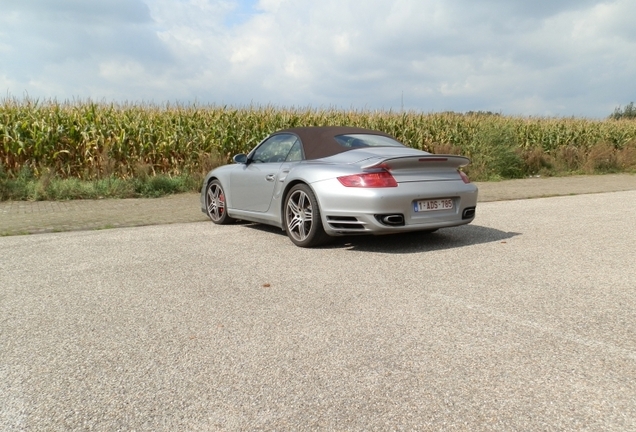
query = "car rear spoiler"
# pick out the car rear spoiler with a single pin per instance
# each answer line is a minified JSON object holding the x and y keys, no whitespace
{"x":418,"y":162}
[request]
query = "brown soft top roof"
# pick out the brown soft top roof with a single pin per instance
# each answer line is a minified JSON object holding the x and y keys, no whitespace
{"x":318,"y":141}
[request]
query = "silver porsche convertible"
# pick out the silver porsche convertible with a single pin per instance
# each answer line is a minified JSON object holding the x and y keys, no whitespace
{"x":317,"y":182}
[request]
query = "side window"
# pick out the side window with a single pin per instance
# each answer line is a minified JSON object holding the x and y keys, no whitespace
{"x":366,"y":140}
{"x":295,"y":154}
{"x":274,"y":149}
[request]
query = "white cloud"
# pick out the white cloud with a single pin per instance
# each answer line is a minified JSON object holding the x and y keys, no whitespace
{"x":6,"y":84}
{"x":117,"y":71}
{"x":561,"y":57}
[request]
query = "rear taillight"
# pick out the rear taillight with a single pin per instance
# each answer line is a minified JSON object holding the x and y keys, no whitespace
{"x":464,"y":177}
{"x":378,"y":179}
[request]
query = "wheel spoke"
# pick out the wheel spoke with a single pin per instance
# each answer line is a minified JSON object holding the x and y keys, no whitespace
{"x":213,"y":192}
{"x":302,"y":231}
{"x":293,"y":207}
{"x":308,"y":215}
{"x":294,"y":224}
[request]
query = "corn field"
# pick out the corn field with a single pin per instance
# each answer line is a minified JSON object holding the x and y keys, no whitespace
{"x":88,"y":140}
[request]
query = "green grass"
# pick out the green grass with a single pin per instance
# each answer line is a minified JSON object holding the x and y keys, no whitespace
{"x":54,"y":188}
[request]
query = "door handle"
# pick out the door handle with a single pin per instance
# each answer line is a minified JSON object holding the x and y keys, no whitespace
{"x":270,"y":177}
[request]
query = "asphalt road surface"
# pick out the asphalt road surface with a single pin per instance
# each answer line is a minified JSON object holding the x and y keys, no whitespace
{"x":524,"y":320}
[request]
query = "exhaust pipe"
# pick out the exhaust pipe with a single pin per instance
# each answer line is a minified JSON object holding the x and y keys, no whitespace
{"x":468,"y":213}
{"x":394,"y":219}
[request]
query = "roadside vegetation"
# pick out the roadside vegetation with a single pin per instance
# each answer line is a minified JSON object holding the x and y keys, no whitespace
{"x":626,"y":112}
{"x":51,"y":150}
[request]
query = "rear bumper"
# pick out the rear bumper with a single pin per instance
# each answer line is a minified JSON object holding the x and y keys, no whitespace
{"x":346,"y":211}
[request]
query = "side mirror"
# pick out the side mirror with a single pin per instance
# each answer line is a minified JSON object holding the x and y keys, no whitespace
{"x":240,"y":158}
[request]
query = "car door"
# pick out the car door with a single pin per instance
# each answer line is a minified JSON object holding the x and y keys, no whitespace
{"x":253,"y":185}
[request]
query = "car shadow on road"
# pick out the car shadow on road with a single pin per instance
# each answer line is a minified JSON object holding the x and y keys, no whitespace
{"x":414,"y":242}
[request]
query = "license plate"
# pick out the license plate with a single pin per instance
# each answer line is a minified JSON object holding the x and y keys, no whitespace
{"x":432,"y":205}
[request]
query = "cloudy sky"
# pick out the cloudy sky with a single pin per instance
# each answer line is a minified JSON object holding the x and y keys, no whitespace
{"x":518,"y":57}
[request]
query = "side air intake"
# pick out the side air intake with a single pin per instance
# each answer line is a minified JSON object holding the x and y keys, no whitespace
{"x":345,"y":223}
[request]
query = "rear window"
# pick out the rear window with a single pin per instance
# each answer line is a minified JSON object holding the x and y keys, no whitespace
{"x":366,"y":140}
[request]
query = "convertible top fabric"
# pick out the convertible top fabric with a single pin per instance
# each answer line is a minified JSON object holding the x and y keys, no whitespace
{"x":318,"y":142}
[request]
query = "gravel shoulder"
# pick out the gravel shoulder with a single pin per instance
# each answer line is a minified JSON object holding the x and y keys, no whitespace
{"x":25,"y":217}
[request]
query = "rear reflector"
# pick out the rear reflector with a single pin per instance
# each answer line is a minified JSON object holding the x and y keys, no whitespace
{"x":378,"y":179}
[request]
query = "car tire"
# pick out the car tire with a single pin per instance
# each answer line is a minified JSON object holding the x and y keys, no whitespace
{"x":301,"y":217}
{"x":215,"y":204}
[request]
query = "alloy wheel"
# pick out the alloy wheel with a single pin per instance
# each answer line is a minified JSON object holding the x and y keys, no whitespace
{"x":299,"y":215}
{"x":215,"y":202}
